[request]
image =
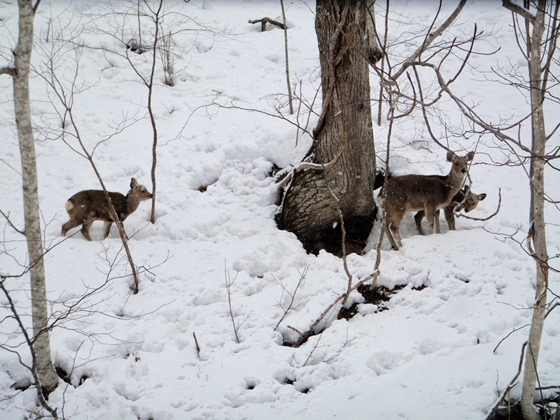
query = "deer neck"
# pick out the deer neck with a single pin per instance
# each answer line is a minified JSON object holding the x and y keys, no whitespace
{"x":132,"y":202}
{"x":455,"y":180}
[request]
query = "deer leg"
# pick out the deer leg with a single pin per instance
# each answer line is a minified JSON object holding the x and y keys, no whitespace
{"x":85,"y":230}
{"x":390,"y":236}
{"x":430,"y":215}
{"x":418,"y":219}
{"x":87,"y":225}
{"x":394,"y":223}
{"x":438,"y":230}
{"x":107,"y":228}
{"x":70,"y":224}
{"x":387,"y":226}
{"x":450,"y":217}
{"x":396,"y":234}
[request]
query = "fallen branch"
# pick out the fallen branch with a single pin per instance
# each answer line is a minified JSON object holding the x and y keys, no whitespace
{"x":266,"y":20}
{"x":305,"y":336}
{"x":510,"y":386}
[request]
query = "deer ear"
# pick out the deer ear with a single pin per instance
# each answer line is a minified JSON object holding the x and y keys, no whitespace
{"x":450,"y":156}
{"x":133,"y":183}
{"x":481,"y":196}
{"x":469,"y":157}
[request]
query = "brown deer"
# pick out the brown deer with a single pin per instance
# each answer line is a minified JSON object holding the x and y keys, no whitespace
{"x":408,"y":193}
{"x":85,"y":207}
{"x":463,"y":200}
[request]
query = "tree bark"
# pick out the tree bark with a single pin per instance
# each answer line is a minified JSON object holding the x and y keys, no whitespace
{"x":41,"y":340}
{"x":537,"y":216}
{"x":150,"y":86}
{"x":343,"y":139}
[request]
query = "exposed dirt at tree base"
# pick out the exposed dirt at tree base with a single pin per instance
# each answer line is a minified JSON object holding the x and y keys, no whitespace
{"x":546,"y":410}
{"x":377,"y":296}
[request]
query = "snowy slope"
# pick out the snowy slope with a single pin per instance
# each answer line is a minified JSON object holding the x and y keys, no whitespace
{"x":432,"y":354}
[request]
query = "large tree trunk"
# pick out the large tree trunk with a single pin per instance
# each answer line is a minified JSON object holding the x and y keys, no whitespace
{"x":41,"y":344}
{"x":343,"y":137}
{"x":537,"y":217}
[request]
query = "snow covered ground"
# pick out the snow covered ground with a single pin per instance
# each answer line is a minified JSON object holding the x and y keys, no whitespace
{"x":433,"y":354}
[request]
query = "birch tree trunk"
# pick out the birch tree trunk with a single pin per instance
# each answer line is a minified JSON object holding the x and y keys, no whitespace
{"x":343,"y":139}
{"x":537,"y":216}
{"x":41,"y":341}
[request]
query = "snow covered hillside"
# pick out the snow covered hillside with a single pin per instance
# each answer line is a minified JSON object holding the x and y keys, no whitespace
{"x":443,"y":348}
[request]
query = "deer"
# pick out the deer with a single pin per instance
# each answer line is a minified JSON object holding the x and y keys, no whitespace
{"x":85,"y":207}
{"x":413,"y":193}
{"x":463,"y":200}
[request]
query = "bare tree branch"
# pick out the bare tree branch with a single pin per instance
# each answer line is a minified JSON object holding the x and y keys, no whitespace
{"x":486,"y":218}
{"x":7,"y":217}
{"x":30,"y":343}
{"x":266,"y":20}
{"x":292,"y":296}
{"x":519,"y":10}
{"x":10,"y":71}
{"x":430,"y":39}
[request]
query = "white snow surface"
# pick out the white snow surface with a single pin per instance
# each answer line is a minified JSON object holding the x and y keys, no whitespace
{"x":443,"y":352}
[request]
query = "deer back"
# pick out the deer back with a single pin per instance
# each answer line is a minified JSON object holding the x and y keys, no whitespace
{"x":93,"y":204}
{"x":416,"y":192}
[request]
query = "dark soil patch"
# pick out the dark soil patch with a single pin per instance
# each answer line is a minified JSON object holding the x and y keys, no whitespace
{"x":204,"y":188}
{"x":22,"y":385}
{"x":297,"y":387}
{"x":288,"y":381}
{"x":329,"y":237}
{"x":377,"y":296}
{"x":67,"y":377}
{"x":546,"y":410}
{"x":507,"y":413}
{"x":62,"y":374}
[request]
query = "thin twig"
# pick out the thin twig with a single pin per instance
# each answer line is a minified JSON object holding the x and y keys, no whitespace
{"x":196,"y":345}
{"x":228,"y":284}
{"x":292,"y":295}
{"x":7,"y":217}
{"x":313,"y":349}
{"x":512,"y":383}
{"x":287,"y":59}
{"x":430,"y":39}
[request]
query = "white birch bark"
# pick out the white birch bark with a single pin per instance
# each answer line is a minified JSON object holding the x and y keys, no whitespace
{"x":537,"y":216}
{"x":41,"y":341}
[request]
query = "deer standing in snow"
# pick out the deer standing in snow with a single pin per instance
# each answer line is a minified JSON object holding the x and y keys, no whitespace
{"x":408,"y":193}
{"x":85,"y":207}
{"x":463,"y":200}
